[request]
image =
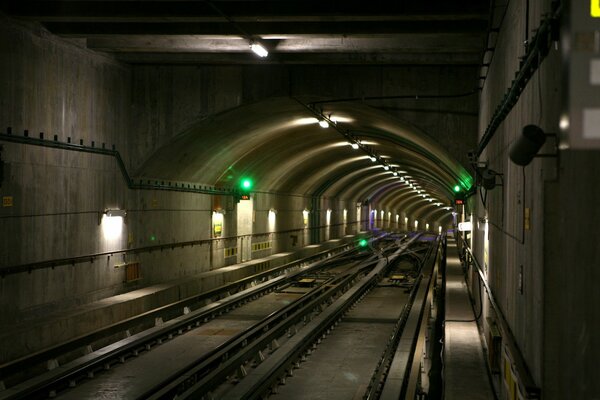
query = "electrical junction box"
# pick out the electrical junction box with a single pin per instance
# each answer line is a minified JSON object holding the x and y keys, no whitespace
{"x":580,"y":42}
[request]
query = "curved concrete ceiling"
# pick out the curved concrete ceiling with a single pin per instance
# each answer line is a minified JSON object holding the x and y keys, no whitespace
{"x":280,"y":145}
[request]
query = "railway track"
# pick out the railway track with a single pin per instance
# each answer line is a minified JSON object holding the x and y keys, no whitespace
{"x":249,"y":344}
{"x":100,"y":366}
{"x":344,"y":353}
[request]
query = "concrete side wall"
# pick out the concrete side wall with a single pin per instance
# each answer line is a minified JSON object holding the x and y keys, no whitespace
{"x":541,"y":273}
{"x":57,"y":88}
{"x":512,"y":254}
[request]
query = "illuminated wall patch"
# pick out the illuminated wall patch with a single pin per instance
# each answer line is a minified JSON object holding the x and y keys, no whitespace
{"x":595,"y":8}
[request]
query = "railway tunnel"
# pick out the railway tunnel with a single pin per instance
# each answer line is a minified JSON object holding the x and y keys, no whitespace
{"x":397,"y":200}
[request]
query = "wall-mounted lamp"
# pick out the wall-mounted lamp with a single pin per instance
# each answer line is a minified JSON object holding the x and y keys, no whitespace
{"x":115,"y":213}
{"x":523,"y":151}
{"x":259,"y":49}
{"x":112,"y":223}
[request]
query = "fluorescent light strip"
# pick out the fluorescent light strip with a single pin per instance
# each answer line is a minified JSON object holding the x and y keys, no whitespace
{"x":259,"y":50}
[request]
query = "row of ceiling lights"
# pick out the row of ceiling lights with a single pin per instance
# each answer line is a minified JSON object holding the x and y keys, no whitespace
{"x":324,"y":122}
{"x":356,"y":144}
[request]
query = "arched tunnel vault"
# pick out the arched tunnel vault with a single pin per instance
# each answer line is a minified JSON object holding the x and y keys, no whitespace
{"x":280,"y":145}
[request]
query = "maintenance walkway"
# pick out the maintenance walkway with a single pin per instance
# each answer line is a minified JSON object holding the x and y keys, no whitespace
{"x":465,"y":370}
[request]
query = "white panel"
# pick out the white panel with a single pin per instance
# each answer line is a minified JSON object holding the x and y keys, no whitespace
{"x":591,"y":123}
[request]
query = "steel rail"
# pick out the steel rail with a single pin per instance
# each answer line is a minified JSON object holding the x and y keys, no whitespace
{"x":267,"y":373}
{"x":375,"y":385}
{"x":131,"y":346}
{"x":213,"y":369}
{"x":401,"y":380}
{"x":17,"y":365}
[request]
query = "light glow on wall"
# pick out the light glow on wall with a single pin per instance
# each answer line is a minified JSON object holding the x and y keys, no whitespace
{"x":382,"y":213}
{"x":345,"y":215}
{"x":271,"y":220}
{"x":416,"y":224}
{"x":112,"y":227}
{"x":486,"y":248}
{"x":328,"y":217}
{"x":405,"y":220}
{"x":440,"y":230}
{"x":397,"y":218}
{"x":426,"y":227}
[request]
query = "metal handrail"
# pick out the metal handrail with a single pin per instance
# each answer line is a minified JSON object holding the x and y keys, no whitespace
{"x":28,"y":267}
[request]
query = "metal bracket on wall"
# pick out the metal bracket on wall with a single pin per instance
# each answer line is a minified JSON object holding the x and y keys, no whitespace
{"x":555,"y":148}
{"x":131,"y":184}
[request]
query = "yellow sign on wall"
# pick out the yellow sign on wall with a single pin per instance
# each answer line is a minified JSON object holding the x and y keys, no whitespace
{"x":7,"y":201}
{"x":218,"y":229}
{"x":595,"y":8}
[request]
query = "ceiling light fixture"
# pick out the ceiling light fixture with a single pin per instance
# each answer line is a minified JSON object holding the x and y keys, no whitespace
{"x":372,"y":158}
{"x":355,"y":146}
{"x":386,"y":167}
{"x":259,"y":50}
{"x":323,"y":124}
{"x":395,"y":173}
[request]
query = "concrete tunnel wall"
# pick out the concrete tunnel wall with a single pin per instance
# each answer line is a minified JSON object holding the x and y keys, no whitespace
{"x":543,"y":276}
{"x":58,"y":88}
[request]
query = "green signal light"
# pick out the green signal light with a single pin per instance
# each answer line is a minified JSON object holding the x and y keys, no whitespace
{"x":363,"y":242}
{"x":456,"y":188}
{"x":246,"y":184}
